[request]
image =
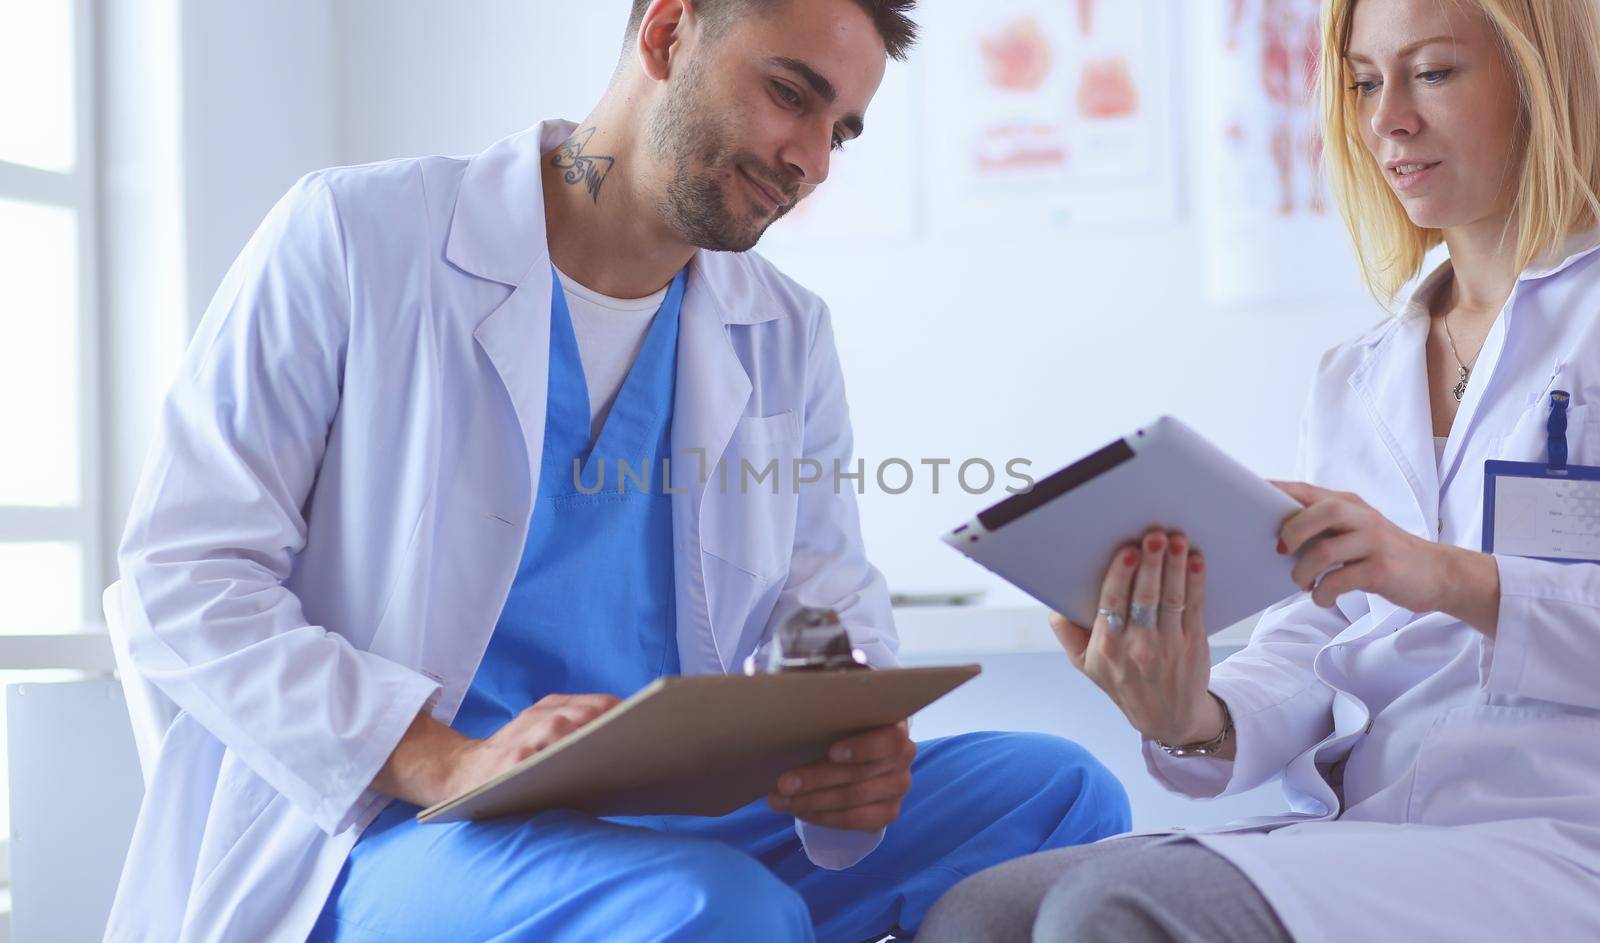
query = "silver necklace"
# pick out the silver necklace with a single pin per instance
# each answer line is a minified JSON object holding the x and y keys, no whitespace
{"x":1463,"y":369}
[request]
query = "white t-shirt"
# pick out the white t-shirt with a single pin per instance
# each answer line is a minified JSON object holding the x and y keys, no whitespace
{"x":610,"y":333}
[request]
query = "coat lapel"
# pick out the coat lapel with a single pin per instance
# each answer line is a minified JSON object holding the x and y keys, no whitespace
{"x":516,"y":339}
{"x":497,"y":233}
{"x":710,"y":397}
{"x":1392,"y":386}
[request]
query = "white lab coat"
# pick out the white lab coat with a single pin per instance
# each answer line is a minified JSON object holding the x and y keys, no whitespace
{"x":1470,"y":805}
{"x":333,"y":513}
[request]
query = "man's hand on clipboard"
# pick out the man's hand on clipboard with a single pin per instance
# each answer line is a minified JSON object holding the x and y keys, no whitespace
{"x":859,"y":787}
{"x":433,"y":762}
{"x":536,"y":728}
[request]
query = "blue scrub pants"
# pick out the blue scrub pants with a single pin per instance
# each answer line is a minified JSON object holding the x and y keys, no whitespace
{"x":567,"y":877}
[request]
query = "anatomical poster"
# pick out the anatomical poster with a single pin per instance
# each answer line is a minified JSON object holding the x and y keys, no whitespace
{"x":1047,"y":112}
{"x":1272,"y":232}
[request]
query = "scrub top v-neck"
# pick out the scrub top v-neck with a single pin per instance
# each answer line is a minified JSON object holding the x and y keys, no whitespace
{"x":591,"y":610}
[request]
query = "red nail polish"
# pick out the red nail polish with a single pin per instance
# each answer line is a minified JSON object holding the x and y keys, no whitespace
{"x":1154,"y":543}
{"x":1178,"y":547}
{"x":1130,"y":558}
{"x":1196,"y":564}
{"x":1282,"y":547}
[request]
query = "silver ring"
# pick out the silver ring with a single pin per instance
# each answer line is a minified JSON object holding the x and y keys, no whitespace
{"x":1113,"y":619}
{"x":1142,"y":616}
{"x":1167,"y":608}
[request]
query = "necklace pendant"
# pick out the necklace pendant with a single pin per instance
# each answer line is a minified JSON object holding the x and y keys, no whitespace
{"x":1460,"y":388}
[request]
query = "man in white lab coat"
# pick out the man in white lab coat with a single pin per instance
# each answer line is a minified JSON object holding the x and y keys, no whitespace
{"x":366,"y":567}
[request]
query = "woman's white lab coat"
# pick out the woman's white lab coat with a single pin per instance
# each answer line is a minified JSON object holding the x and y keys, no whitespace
{"x":1447,"y":786}
{"x":332,"y":516}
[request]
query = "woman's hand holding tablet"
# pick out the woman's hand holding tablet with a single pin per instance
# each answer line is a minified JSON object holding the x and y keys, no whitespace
{"x":1147,"y":647}
{"x":1138,"y":626}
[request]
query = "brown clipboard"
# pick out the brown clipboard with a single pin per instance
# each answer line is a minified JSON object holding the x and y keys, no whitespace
{"x":705,"y":745}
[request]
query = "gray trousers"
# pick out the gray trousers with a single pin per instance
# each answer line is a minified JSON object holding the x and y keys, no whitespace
{"x":1130,"y":890}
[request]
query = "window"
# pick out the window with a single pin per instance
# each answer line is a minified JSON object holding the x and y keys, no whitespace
{"x":50,"y":574}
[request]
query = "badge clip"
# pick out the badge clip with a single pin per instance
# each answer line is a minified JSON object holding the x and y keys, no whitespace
{"x":1556,"y":452}
{"x":809,"y":640}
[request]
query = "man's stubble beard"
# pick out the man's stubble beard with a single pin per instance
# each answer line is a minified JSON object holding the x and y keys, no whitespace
{"x":684,"y":135}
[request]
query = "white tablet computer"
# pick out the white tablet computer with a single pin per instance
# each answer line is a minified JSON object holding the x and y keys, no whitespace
{"x":1055,"y":540}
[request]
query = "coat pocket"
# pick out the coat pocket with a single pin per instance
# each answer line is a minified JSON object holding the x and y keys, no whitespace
{"x":1583,"y":434}
{"x":1493,"y":762}
{"x":1528,"y":438}
{"x":751,"y":500}
{"x":237,"y":802}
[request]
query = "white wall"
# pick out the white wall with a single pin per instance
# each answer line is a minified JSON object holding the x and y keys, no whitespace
{"x":1041,"y":345}
{"x":260,"y":99}
{"x":438,"y":77}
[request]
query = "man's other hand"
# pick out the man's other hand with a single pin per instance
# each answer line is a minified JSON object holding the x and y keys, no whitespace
{"x":858,"y":787}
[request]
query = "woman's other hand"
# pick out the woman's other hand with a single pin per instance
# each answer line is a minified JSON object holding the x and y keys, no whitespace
{"x":1147,"y":648}
{"x":1345,"y":545}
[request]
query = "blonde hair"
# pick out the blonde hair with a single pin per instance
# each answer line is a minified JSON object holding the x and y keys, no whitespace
{"x":1552,"y":49}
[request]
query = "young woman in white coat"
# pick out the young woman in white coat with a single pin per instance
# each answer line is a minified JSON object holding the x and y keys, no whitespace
{"x":1432,"y":711}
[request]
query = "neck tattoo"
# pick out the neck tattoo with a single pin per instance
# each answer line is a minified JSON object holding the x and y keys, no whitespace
{"x":580,"y":169}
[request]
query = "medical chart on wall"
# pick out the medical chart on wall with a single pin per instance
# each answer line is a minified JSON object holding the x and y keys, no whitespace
{"x":1271,"y":227}
{"x":1019,"y":118}
{"x":1047,"y":112}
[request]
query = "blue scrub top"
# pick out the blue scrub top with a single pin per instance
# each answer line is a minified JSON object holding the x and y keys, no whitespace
{"x":592,"y":608}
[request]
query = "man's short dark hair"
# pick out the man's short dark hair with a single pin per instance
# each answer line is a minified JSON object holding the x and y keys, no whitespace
{"x":891,"y":17}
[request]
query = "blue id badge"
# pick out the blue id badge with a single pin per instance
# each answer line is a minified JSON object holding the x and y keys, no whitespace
{"x":1548,"y":511}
